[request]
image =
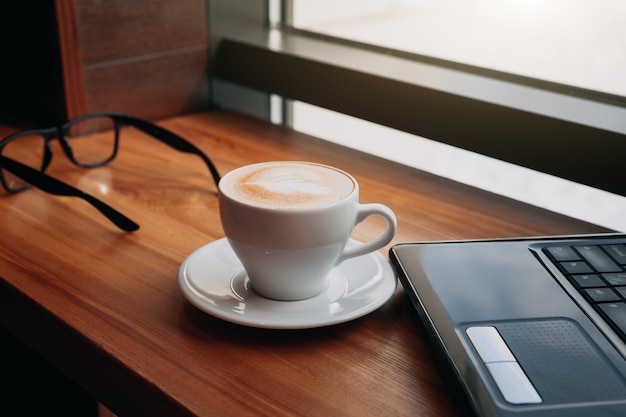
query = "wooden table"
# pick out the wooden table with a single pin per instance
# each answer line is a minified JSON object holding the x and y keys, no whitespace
{"x":105,"y":308}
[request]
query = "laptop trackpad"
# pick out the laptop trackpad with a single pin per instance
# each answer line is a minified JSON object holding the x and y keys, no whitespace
{"x":560,"y":361}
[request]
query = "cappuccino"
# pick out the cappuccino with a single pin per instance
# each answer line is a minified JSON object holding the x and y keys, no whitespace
{"x":288,"y":185}
{"x":289,"y":224}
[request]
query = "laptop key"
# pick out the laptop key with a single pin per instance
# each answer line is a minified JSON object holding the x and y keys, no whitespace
{"x":615,"y":279}
{"x":617,"y":252}
{"x":563,"y":253}
{"x":576,"y":267}
{"x":598,"y":259}
{"x":588,"y":281}
{"x":601,"y":295}
{"x":616,"y":312}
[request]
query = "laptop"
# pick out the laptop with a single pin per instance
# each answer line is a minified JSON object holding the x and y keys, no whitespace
{"x":526,"y":327}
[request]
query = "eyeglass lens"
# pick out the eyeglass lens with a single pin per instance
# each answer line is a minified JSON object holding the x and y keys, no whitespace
{"x":92,"y":140}
{"x":28,"y":149}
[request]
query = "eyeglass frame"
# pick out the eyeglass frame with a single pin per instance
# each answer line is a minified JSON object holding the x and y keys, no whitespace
{"x":53,"y":186}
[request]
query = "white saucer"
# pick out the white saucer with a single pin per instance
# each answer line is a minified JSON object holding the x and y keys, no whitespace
{"x":214,"y":281}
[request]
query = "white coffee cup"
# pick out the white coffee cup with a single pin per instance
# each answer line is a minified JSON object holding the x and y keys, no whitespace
{"x":289,"y":224}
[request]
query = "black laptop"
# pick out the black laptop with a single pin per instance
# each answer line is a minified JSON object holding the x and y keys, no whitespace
{"x":527,"y":327}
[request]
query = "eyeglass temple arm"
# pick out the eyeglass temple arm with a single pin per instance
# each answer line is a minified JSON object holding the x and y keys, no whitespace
{"x":174,"y":141}
{"x":53,"y":186}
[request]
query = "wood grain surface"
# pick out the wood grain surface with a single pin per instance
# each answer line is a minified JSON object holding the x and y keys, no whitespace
{"x":105,"y":308}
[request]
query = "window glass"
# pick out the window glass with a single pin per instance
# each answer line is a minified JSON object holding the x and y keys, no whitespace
{"x":581,"y":43}
{"x":578,"y":43}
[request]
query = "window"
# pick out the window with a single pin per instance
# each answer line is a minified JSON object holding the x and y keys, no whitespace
{"x":578,"y":43}
{"x":535,"y":123}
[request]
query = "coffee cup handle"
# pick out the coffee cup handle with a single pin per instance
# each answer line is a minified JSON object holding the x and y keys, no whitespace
{"x":364,"y":211}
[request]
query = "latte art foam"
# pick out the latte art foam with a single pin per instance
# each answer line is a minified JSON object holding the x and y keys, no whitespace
{"x":287,"y":185}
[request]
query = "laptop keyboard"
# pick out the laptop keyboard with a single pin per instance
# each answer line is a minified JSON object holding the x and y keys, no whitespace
{"x":599,"y":273}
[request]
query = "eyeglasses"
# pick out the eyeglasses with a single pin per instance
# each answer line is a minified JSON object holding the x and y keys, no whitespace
{"x":88,"y":141}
